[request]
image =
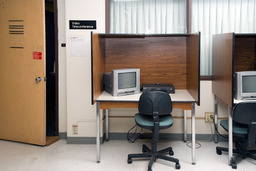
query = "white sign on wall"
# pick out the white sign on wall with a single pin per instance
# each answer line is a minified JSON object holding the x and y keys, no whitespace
{"x":77,"y":46}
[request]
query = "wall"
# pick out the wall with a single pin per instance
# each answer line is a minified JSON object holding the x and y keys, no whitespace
{"x":75,"y":81}
{"x":62,"y":67}
{"x":78,"y":69}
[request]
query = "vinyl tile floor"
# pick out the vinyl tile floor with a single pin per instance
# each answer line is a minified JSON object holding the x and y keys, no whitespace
{"x":61,"y":156}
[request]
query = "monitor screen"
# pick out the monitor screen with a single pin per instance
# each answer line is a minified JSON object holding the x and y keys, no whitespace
{"x":249,"y":84}
{"x":126,"y":80}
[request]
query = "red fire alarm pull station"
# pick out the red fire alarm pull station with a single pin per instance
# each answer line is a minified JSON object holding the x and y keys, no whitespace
{"x":37,"y":55}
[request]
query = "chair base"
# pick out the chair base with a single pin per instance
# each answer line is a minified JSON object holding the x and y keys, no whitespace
{"x":148,"y":153}
{"x":241,"y":151}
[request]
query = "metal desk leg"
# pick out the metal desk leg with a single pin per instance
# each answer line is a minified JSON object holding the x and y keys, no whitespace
{"x":185,"y":125}
{"x":216,"y":120}
{"x":107,"y":125}
{"x":193,"y":133}
{"x":98,"y":131}
{"x":230,"y":136}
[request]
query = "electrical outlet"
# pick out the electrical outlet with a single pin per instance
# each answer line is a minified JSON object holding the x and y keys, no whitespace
{"x":208,"y":116}
{"x":75,"y":129}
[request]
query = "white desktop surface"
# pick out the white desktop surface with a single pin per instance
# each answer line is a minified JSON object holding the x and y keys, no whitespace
{"x":178,"y":96}
{"x":244,"y":100}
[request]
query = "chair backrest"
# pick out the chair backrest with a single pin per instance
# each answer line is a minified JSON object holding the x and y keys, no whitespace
{"x":245,"y":113}
{"x":155,"y":102}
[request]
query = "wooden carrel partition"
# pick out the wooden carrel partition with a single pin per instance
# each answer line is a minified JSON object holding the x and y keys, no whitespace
{"x":231,"y":53}
{"x":161,"y":59}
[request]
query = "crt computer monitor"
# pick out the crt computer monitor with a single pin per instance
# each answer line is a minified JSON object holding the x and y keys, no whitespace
{"x":245,"y":85}
{"x":121,"y":82}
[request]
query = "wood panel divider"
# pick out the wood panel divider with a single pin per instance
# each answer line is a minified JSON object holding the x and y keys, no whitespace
{"x":161,"y":58}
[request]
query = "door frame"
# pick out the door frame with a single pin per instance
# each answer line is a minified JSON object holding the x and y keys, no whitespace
{"x":55,"y":3}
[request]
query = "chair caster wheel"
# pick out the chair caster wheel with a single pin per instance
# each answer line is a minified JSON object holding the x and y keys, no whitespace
{"x":171,"y":153}
{"x":177,"y":166}
{"x":149,"y":169}
{"x":218,"y":152}
{"x":233,"y":164}
{"x":129,"y":160}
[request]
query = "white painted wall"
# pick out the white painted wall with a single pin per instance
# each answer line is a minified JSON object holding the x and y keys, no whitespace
{"x":75,"y":79}
{"x":78,"y":69}
{"x":62,"y":67}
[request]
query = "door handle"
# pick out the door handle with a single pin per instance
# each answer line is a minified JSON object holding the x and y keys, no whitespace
{"x":38,"y":79}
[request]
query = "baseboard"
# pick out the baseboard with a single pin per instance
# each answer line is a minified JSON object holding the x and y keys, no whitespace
{"x":84,"y":140}
{"x":171,"y":137}
{"x":123,"y":136}
{"x":62,"y":135}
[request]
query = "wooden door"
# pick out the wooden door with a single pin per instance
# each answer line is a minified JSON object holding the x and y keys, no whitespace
{"x":22,"y":60}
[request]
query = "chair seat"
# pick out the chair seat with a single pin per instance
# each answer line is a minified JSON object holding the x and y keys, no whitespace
{"x":147,"y":121}
{"x":237,"y":128}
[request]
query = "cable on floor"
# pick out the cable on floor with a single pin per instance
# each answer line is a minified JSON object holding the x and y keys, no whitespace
{"x":133,"y":136}
{"x":215,"y":127}
{"x":190,"y":146}
{"x":199,"y":145}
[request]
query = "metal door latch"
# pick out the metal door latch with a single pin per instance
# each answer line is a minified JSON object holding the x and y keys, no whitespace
{"x":38,"y":79}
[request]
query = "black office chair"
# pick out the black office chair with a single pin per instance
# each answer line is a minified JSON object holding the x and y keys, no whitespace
{"x":154,"y":114}
{"x":244,"y":131}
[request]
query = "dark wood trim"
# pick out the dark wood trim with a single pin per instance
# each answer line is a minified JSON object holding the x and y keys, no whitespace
{"x":250,"y":35}
{"x":107,"y":16}
{"x":205,"y":78}
{"x":199,"y":71}
{"x":141,"y":35}
{"x":189,"y":16}
{"x":232,"y":72}
{"x":92,"y":67}
{"x":55,"y":3}
{"x":122,"y":35}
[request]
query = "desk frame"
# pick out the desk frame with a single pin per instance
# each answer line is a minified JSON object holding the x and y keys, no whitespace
{"x":105,"y":105}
